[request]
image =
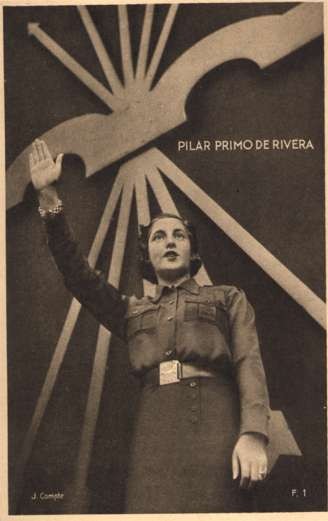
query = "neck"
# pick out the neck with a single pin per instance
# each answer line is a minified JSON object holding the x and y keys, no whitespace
{"x":168,"y":281}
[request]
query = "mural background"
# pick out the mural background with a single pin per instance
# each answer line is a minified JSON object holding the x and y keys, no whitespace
{"x":278,"y":196}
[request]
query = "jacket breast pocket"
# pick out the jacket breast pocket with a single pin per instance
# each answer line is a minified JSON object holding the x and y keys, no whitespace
{"x":200,"y":309}
{"x":141,"y":319}
{"x":206,"y":310}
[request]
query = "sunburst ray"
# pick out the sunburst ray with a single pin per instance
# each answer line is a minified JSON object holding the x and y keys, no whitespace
{"x":80,"y":72}
{"x":143,"y":215}
{"x":103,"y":57}
{"x":160,"y":47}
{"x":102,"y":348}
{"x":144,"y":42}
{"x":125,"y":42}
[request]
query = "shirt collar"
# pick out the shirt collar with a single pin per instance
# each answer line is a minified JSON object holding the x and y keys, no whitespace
{"x":189,"y":285}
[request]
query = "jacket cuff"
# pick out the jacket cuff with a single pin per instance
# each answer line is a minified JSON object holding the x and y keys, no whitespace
{"x":255,"y":419}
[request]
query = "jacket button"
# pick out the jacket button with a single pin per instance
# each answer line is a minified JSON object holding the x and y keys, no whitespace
{"x":169,"y":318}
{"x":168,"y":352}
{"x":193,"y":384}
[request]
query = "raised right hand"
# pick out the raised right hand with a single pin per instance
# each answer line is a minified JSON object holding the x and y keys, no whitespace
{"x":44,"y":170}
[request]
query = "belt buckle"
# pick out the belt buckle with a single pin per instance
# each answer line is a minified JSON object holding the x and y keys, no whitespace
{"x":169,"y":372}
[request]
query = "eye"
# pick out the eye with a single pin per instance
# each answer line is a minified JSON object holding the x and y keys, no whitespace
{"x":180,"y":235}
{"x":158,"y":236}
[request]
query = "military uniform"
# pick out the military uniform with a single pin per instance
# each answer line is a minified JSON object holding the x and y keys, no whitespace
{"x":186,"y":430}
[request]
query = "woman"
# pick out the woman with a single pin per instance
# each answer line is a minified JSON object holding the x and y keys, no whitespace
{"x":203,"y":414}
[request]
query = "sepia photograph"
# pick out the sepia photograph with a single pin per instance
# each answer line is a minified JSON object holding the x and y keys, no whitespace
{"x":165,"y":258}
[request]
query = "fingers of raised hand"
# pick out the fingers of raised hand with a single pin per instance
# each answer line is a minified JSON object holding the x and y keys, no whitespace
{"x":35,"y":153}
{"x":37,"y":156}
{"x":31,"y":158}
{"x":39,"y":147}
{"x":42,"y":167}
{"x":45,"y":150}
{"x":40,"y":151}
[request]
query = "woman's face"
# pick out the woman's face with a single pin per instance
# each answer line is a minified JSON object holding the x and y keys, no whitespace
{"x":169,"y":249}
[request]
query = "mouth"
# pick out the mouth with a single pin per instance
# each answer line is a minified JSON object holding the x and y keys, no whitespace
{"x":171,"y":254}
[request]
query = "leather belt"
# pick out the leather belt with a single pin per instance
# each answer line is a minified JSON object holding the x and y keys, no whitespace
{"x":172,"y":371}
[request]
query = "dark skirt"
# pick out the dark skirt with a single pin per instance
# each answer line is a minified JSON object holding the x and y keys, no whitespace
{"x":181,"y":452}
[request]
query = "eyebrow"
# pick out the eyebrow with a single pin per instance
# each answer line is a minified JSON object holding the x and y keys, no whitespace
{"x":163,"y":231}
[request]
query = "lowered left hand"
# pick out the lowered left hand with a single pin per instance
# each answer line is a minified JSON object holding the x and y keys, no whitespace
{"x":249,"y":459}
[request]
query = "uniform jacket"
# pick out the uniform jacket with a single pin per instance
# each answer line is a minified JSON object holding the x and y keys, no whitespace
{"x":211,"y":326}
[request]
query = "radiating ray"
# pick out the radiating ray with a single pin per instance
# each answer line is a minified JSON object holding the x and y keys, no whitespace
{"x":102,"y":348}
{"x":143,"y":211}
{"x":83,"y":75}
{"x":125,"y":43}
{"x":167,"y":205}
{"x":253,"y":248}
{"x":101,"y":52}
{"x":144,"y":42}
{"x":143,"y":214}
{"x":65,"y":335}
{"x":162,"y":194}
{"x":161,"y":44}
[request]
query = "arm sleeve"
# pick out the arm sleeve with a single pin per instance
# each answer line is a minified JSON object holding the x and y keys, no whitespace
{"x":88,"y":285}
{"x":247,"y":361}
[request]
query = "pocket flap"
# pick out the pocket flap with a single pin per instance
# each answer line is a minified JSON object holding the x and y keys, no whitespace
{"x":203,"y":309}
{"x":199,"y":299}
{"x":141,"y":318}
{"x":140,"y":309}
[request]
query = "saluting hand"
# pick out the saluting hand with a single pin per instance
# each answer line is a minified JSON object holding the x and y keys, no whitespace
{"x":249,"y":459}
{"x":44,"y":170}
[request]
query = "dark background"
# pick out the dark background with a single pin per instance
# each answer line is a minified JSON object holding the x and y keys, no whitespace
{"x":278,"y":196}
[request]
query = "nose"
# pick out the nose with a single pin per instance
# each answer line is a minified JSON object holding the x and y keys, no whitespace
{"x":170,"y":243}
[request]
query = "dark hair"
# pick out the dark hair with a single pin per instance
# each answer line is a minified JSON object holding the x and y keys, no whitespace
{"x":146,"y":267}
